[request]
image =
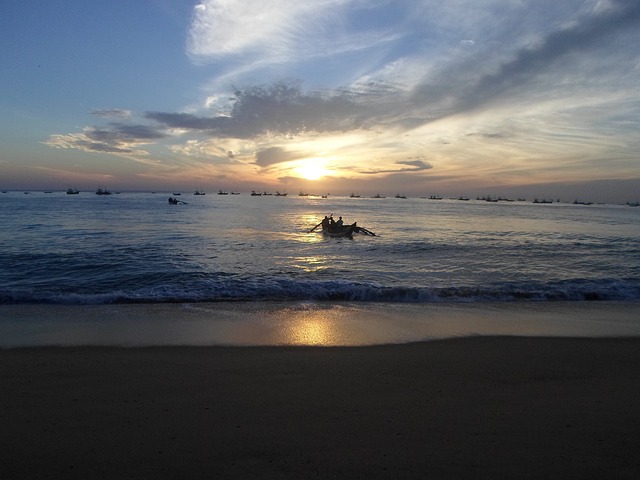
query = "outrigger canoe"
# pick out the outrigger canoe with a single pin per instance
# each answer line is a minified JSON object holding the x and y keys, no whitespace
{"x":346,"y":231}
{"x":343,"y":231}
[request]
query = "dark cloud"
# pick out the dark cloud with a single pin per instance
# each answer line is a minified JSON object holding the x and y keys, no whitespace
{"x":117,"y":132}
{"x":282,"y":109}
{"x":115,"y":138}
{"x":191,"y":122}
{"x":273,"y":155}
{"x":112,"y":113}
{"x":411,"y":166}
{"x":417,"y":164}
{"x":98,"y":147}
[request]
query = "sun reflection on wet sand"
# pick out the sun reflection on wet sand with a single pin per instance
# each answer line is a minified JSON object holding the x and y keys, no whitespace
{"x":304,"y":323}
{"x":309,"y":332}
{"x":308,"y":326}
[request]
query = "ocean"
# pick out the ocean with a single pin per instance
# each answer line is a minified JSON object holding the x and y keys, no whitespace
{"x":130,"y":269}
{"x":136,"y":248}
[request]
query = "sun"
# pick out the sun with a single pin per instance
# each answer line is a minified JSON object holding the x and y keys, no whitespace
{"x":312,"y":169}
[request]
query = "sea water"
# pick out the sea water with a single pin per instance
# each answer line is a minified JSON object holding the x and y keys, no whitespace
{"x":137,"y":248}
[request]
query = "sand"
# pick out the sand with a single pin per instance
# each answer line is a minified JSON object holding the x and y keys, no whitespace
{"x":305,"y":323}
{"x":480,"y":407}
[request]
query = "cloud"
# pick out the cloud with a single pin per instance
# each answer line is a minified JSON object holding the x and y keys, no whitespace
{"x":119,"y":133}
{"x":416,"y":165}
{"x":282,"y":109}
{"x":538,"y":85}
{"x":454,"y":91}
{"x":274,"y":155}
{"x":81,"y":141}
{"x":270,"y":31}
{"x":112,"y":113}
{"x":116,"y":138}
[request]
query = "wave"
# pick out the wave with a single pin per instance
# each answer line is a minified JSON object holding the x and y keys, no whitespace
{"x":287,"y":289}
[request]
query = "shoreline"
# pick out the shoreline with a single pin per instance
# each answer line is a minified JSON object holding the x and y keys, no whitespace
{"x":476,"y":407}
{"x":306,"y":323}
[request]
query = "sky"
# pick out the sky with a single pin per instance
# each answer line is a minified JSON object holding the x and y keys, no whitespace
{"x":418,"y":97}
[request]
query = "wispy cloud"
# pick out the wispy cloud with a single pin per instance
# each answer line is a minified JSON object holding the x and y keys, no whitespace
{"x":416,"y":165}
{"x":275,"y":30}
{"x":116,"y":138}
{"x":112,"y":113}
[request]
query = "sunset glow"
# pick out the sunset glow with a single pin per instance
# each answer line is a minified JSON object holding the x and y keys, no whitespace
{"x":462,"y":97}
{"x":311,"y":169}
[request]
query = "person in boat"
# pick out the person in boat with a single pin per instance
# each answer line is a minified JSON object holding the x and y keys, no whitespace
{"x":332,"y":225}
{"x":339,"y":224}
{"x":325,"y":223}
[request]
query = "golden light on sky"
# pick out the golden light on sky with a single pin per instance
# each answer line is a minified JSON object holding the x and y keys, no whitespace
{"x":424,"y":97}
{"x":311,"y":169}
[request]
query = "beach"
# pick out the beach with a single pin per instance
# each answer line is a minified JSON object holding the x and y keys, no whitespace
{"x":473,"y":407}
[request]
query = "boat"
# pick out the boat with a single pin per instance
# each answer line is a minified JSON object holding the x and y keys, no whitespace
{"x":278,"y":194}
{"x":72,"y":191}
{"x":199,"y":192}
{"x":400,"y":196}
{"x":222,"y":192}
{"x":341,"y":231}
{"x":255,"y":194}
{"x":103,"y":191}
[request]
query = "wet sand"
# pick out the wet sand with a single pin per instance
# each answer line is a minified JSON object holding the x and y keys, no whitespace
{"x":305,"y":323}
{"x":480,"y":407}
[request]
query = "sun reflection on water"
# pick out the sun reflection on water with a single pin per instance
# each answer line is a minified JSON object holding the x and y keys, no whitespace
{"x":311,"y":264}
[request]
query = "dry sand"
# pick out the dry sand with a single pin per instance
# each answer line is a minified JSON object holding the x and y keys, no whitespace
{"x":482,"y":407}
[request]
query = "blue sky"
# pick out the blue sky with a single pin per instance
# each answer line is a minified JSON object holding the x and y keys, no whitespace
{"x":463,"y":97}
